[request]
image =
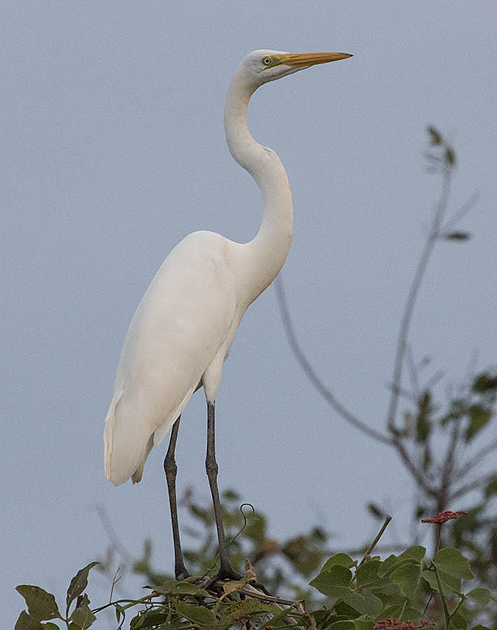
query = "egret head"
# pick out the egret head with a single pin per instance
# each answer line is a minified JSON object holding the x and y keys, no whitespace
{"x":261,"y":66}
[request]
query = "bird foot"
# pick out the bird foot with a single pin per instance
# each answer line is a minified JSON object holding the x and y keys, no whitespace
{"x":223,"y":575}
{"x":181,"y":573}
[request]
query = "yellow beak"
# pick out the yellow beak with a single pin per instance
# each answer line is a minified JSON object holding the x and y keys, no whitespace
{"x":304,"y":60}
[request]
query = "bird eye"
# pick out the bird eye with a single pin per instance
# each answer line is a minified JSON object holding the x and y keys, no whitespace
{"x":266,"y":61}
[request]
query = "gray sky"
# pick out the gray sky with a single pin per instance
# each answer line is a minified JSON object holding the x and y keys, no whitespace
{"x":113,"y":150}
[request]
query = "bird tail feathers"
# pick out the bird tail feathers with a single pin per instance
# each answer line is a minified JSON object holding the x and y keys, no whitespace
{"x":127,"y":444}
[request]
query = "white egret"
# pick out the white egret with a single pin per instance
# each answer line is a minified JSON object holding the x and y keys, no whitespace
{"x":185,"y":324}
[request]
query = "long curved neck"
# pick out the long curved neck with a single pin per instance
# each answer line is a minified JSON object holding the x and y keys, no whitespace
{"x":267,"y":252}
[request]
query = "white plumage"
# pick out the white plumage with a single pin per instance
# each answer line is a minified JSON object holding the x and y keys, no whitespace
{"x":185,"y":324}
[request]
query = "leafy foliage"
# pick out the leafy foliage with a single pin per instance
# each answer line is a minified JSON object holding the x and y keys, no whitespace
{"x":448,"y":443}
{"x":359,"y":595}
{"x":403,"y":590}
{"x":42,"y":605}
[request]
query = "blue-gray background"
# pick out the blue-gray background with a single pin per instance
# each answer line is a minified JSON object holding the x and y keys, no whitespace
{"x":112,"y":150}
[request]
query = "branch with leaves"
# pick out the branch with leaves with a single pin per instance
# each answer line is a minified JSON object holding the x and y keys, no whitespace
{"x":399,"y":592}
{"x":439,"y":477}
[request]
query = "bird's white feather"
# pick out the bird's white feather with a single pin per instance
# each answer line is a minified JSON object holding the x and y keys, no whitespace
{"x":188,"y":317}
{"x":177,"y":331}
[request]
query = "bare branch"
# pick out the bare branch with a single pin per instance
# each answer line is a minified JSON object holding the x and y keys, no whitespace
{"x":412,"y":297}
{"x":413,"y":371}
{"x":418,"y":475}
{"x":369,"y":550}
{"x":476,"y":460}
{"x":112,"y":535}
{"x":410,"y":396}
{"x":462,"y":212}
{"x":311,"y":374}
{"x":448,"y":466}
{"x":433,"y":380}
{"x":472,"y":485}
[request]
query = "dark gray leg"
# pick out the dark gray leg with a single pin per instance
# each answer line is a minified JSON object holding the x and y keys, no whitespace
{"x":211,"y":467}
{"x":170,"y":469}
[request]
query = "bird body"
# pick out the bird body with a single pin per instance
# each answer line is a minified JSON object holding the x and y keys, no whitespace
{"x":185,"y":324}
{"x":179,"y":335}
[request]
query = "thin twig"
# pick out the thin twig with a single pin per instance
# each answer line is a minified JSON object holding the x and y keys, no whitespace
{"x":419,"y":477}
{"x":413,"y":372}
{"x":476,"y":459}
{"x":448,"y":466}
{"x":462,"y":212}
{"x":388,"y":518}
{"x":311,"y":374}
{"x":442,"y":597}
{"x":379,"y":549}
{"x":433,"y":380}
{"x":112,"y":535}
{"x":477,"y":483}
{"x":438,"y":538}
{"x":404,"y":393}
{"x":412,"y":297}
{"x":250,"y":590}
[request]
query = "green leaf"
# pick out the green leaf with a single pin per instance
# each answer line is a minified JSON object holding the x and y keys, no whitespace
{"x":363,"y":625}
{"x":245,"y":607}
{"x":341,"y":559}
{"x":230,"y":495}
{"x":172,"y":587}
{"x":120,"y":613}
{"x":83,"y":617}
{"x":364,"y":604}
{"x":450,"y":156}
{"x":367,"y":574}
{"x":457,"y":236}
{"x":402,"y":612}
{"x":458,"y":621}
{"x":41,"y":605}
{"x":344,"y":611}
{"x":435,"y":135}
{"x":198,"y":614}
{"x":480,"y":627}
{"x":78,"y":583}
{"x":334,"y":582}
{"x":275,"y":620}
{"x":50,"y":626}
{"x":479,"y":417}
{"x":342,"y":625}
{"x":355,"y":601}
{"x":491,"y":488}
{"x":452,"y":562}
{"x":480,"y":596}
{"x":376,"y":511}
{"x":374,"y":604}
{"x":449,"y":582}
{"x":148,"y":619}
{"x":423,"y":421}
{"x":165,"y":587}
{"x":485,"y":383}
{"x":407,"y":577}
{"x":27,"y":622}
{"x":415,"y":553}
{"x":411,"y":555}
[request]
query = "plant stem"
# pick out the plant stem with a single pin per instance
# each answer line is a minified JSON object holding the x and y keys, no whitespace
{"x":442,"y":597}
{"x":433,"y":236}
{"x":312,"y":374}
{"x":437,"y":541}
{"x":388,"y":518}
{"x":461,"y":601}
